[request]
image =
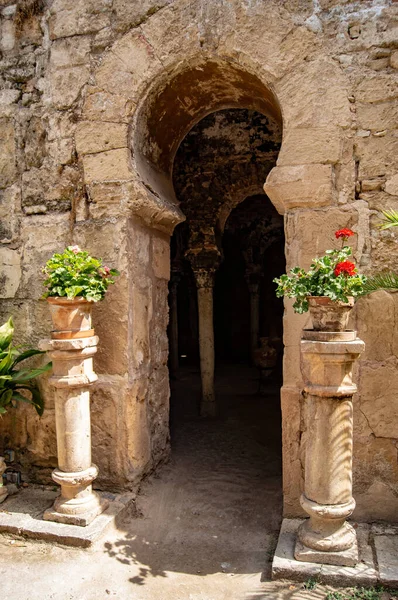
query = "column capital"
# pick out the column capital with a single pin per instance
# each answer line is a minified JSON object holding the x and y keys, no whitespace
{"x":204,"y":278}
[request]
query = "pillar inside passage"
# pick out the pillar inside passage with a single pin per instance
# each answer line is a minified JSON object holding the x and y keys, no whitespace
{"x":205,"y":286}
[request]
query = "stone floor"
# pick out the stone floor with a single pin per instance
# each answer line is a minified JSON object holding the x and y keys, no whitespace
{"x":206,"y":524}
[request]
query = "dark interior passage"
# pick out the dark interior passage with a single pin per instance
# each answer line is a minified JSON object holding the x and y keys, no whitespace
{"x":232,"y":463}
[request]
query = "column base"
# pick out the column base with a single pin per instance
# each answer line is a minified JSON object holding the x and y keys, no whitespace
{"x":208,"y":409}
{"x":342,"y":558}
{"x":81,"y":519}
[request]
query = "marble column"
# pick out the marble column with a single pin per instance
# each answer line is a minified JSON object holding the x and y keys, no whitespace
{"x":327,"y":360}
{"x":173,"y":326}
{"x":254,"y":317}
{"x":73,"y":373}
{"x":205,"y":284}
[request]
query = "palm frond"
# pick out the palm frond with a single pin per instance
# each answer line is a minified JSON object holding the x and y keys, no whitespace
{"x":391,"y":217}
{"x":380,"y":281}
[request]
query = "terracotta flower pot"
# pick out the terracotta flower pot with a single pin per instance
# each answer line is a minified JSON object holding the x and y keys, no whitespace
{"x":71,"y":318}
{"x":328,"y":315}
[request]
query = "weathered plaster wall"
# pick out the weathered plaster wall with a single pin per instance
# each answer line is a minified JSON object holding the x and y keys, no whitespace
{"x":71,"y":80}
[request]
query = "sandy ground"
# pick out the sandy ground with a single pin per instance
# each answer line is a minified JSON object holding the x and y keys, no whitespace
{"x":206,"y":524}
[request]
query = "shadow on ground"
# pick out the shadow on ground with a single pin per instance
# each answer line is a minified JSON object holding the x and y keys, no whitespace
{"x":217,"y":506}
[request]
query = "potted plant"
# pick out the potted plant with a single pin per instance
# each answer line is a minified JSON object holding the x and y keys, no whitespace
{"x":14,"y":380}
{"x":74,"y":281}
{"x":328,"y":290}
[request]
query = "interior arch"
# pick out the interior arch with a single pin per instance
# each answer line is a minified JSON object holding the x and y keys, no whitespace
{"x":181,"y":99}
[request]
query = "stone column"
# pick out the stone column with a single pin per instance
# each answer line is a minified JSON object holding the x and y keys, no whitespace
{"x":327,"y":362}
{"x":72,"y":375}
{"x":173,"y":327}
{"x":254,"y":317}
{"x":205,"y":285}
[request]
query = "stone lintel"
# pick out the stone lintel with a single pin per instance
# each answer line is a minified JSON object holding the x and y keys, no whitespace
{"x":343,"y":558}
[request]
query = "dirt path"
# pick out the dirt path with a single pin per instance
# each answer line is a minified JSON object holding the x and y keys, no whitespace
{"x":208,"y":520}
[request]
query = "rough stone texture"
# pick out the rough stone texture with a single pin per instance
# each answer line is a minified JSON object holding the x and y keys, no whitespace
{"x":79,"y":74}
{"x":284,"y":566}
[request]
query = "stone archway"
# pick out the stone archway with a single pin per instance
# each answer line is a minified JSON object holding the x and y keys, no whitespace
{"x":127,"y":175}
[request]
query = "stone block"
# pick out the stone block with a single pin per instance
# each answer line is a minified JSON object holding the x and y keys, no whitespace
{"x":105,"y":106}
{"x":300,"y":187}
{"x":8,"y":102}
{"x":314,"y":95}
{"x":378,"y":502}
{"x":66,"y":85}
{"x":42,"y":237}
{"x":378,"y":117}
{"x":309,"y":233}
{"x":8,"y":170}
{"x":107,"y":397}
{"x":377,"y":88}
{"x":42,"y":442}
{"x":377,"y":155}
{"x":94,"y":136}
{"x":10,"y":261}
{"x":291,"y":435}
{"x":379,"y":401}
{"x":106,"y":200}
{"x":77,"y":18}
{"x":113,"y":165}
{"x":376,"y":332}
{"x":10,"y":206}
{"x":70,"y":52}
{"x":310,"y":145}
{"x":161,"y":256}
{"x":387,"y":557}
{"x":391,"y":185}
{"x":7,"y":37}
{"x":131,"y":61}
{"x":284,"y":565}
{"x":111,"y":325}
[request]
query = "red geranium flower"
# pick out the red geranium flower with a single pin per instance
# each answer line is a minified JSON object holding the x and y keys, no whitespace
{"x":344,"y":233}
{"x":346,"y":267}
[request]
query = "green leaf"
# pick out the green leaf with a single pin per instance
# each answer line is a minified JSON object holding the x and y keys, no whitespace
{"x":27,"y":375}
{"x":6,"y":334}
{"x":391,"y":217}
{"x":6,"y":397}
{"x":380,"y":281}
{"x":27,"y":354}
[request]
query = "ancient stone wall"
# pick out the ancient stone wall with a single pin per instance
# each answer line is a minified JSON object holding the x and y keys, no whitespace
{"x":86,"y":157}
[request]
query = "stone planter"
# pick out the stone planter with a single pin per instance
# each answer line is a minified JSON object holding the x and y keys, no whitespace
{"x":328,"y":315}
{"x":71,"y":318}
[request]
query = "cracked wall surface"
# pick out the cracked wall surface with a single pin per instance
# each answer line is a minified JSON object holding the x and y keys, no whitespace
{"x":95,"y":98}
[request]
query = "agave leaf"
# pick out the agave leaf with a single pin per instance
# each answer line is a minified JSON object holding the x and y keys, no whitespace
{"x":380,"y":281}
{"x":27,"y":354}
{"x":6,"y":397}
{"x":391,"y":217}
{"x":26,"y":375}
{"x":6,"y":334}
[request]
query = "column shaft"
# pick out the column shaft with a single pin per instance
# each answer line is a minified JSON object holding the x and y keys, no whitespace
{"x":254,"y":318}
{"x":73,"y":372}
{"x":206,"y":350}
{"x":173,"y":330}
